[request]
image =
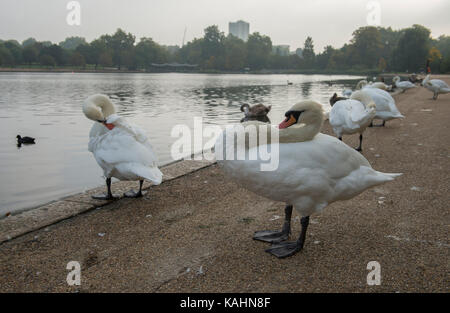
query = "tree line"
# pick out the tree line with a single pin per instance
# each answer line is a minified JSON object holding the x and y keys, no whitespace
{"x":371,"y":49}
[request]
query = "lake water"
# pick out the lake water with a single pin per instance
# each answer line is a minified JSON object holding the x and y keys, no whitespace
{"x":47,"y":106}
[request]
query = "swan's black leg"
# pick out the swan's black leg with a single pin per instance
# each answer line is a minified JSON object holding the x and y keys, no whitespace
{"x":340,"y":138}
{"x":109,"y":195}
{"x":360,"y":143}
{"x":134,"y":194}
{"x":288,"y":248}
{"x":277,"y":236}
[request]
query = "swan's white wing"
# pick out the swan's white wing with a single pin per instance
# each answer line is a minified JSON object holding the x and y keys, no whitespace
{"x":349,"y":115}
{"x":405,"y":85}
{"x":123,"y":154}
{"x":385,"y":104}
{"x":309,"y":175}
{"x":439,"y":83}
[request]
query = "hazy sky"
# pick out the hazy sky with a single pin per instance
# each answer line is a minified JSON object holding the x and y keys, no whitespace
{"x":285,"y":21}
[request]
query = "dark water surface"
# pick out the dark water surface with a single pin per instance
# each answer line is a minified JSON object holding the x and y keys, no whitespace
{"x":47,"y":106}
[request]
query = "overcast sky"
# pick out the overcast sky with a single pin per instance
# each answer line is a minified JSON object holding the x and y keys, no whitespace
{"x":285,"y":21}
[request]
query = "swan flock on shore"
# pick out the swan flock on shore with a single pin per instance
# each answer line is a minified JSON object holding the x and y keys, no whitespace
{"x":314,"y":169}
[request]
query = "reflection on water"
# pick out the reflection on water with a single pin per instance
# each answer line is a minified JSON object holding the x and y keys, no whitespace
{"x":47,"y":106}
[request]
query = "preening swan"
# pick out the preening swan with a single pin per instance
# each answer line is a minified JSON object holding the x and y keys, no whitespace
{"x":403,"y":85}
{"x":122,"y":150}
{"x":385,"y":105}
{"x":351,"y":116}
{"x":379,"y":85}
{"x":314,"y":170}
{"x":437,"y":86}
{"x":257,"y":112}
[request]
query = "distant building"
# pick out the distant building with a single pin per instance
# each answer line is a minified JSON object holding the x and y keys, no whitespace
{"x":299,"y":52}
{"x":172,"y":49}
{"x":239,"y":29}
{"x":282,"y":50}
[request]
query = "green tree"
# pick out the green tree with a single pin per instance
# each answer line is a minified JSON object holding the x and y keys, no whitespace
{"x":148,"y":52}
{"x":30,"y":54}
{"x":28,"y":42}
{"x":120,"y":44}
{"x":235,"y":53}
{"x":412,"y":49}
{"x":71,"y":43}
{"x":308,"y":52}
{"x":213,"y":47}
{"x":47,"y":60}
{"x":367,"y":46}
{"x":77,"y":59}
{"x":15,"y":49}
{"x":259,"y":48}
{"x":6,"y":58}
{"x":56,"y":52}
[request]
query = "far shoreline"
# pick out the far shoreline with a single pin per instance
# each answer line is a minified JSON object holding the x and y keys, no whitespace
{"x":259,"y":72}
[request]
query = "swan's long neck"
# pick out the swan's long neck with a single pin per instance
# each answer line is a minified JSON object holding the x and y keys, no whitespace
{"x":364,"y":98}
{"x":106,"y":106}
{"x":98,"y":107}
{"x":303,"y":132}
{"x":361,"y":84}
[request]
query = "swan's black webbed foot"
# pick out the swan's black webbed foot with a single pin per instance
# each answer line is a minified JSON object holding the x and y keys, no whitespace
{"x":277,"y":236}
{"x":104,"y":196}
{"x":109,"y":195}
{"x":271,"y":236}
{"x":288,"y":248}
{"x":285,"y":249}
{"x":134,"y":194}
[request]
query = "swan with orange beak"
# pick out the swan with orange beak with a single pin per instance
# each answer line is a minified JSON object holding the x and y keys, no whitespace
{"x":122,"y":150}
{"x":314,"y":170}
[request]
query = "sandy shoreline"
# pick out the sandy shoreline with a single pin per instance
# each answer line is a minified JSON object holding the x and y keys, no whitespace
{"x":193,"y":232}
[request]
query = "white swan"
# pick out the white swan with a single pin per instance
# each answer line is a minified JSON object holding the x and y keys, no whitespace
{"x":314,"y":170}
{"x":385,"y":105}
{"x":379,"y":85}
{"x":122,"y":150}
{"x":403,"y":85}
{"x":351,"y":116}
{"x":437,"y":86}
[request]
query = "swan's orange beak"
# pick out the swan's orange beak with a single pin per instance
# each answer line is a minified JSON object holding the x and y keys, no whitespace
{"x":109,"y":126}
{"x":287,"y":122}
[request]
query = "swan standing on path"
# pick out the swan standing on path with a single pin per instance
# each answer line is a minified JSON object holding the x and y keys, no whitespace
{"x":351,"y":116}
{"x":122,"y":150}
{"x":437,"y":86}
{"x":314,"y":170}
{"x":386,"y":109}
{"x":403,"y":85}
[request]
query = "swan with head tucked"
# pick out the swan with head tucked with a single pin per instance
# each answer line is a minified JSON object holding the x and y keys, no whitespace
{"x":351,"y":116}
{"x":385,"y":105}
{"x":379,"y":85}
{"x":313,"y":170}
{"x":122,"y":150}
{"x":403,"y":85}
{"x":437,"y":86}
